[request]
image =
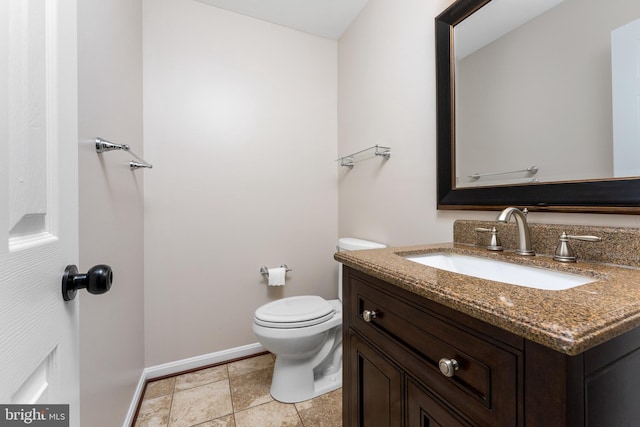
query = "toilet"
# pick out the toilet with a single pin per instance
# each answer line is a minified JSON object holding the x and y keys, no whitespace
{"x":305,"y":334}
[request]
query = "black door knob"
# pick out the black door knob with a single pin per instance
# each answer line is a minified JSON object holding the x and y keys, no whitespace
{"x":97,"y":281}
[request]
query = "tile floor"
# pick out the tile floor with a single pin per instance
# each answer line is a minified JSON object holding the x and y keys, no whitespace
{"x":232,"y":395}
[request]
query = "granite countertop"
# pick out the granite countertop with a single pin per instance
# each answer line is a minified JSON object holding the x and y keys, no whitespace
{"x":569,"y":321}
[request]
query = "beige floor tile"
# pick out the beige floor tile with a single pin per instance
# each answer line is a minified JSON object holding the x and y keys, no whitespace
{"x":227,"y":421}
{"x":251,"y":389}
{"x":199,"y":404}
{"x":201,"y":377}
{"x":273,"y":414}
{"x":322,"y":411}
{"x":159,"y":388}
{"x":206,"y":398}
{"x":251,"y":364}
{"x":154,"y":412}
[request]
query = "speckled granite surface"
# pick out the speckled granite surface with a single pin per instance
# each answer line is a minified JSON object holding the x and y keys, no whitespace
{"x":618,"y":246}
{"x":570,"y":321}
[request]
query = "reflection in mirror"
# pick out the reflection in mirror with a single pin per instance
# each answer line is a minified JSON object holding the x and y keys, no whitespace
{"x":534,"y":88}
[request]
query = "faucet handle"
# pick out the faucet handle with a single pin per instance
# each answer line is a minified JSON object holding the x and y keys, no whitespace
{"x":494,"y":244}
{"x":585,"y":238}
{"x":564,"y":253}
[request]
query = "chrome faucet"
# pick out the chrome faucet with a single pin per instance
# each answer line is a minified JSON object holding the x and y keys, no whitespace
{"x":524,"y":239}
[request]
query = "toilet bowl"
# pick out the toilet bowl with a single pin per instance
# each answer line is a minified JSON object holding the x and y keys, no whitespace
{"x":305,"y":334}
{"x":305,"y":365}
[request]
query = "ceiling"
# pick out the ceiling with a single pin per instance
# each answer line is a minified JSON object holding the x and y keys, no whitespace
{"x":324,"y":18}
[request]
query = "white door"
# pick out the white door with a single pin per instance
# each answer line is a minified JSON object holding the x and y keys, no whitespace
{"x":625,"y":73}
{"x":38,"y":203}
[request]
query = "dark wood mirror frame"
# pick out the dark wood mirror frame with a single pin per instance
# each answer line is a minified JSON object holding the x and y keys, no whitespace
{"x":604,"y":196}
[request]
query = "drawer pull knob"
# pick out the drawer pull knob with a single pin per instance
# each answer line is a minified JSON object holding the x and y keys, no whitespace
{"x":448,"y":367}
{"x":369,"y":315}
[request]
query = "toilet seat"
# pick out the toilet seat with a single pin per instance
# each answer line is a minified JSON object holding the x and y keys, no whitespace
{"x":294,"y":312}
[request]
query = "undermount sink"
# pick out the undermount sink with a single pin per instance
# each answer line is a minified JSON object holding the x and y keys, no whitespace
{"x":500,"y":271}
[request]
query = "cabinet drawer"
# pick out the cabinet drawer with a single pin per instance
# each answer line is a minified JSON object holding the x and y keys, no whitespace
{"x":484,"y":386}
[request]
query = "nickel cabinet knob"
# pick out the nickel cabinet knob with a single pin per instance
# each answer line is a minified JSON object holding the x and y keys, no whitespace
{"x":448,"y":367}
{"x":369,"y":315}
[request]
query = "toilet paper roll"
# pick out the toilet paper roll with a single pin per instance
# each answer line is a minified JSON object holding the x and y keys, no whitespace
{"x":276,"y":276}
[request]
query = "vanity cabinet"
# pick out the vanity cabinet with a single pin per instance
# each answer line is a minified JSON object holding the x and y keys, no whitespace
{"x":395,"y":342}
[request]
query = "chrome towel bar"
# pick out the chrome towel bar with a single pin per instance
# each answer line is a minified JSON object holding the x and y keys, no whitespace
{"x":532,"y":170}
{"x":102,"y":145}
{"x":367,"y":153}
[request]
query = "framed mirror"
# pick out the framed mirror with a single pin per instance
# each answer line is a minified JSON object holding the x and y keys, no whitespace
{"x":537,"y":105}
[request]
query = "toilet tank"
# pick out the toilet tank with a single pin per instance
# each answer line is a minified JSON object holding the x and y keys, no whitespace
{"x":353,"y":244}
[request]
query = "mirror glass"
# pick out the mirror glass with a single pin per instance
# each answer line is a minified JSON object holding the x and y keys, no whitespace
{"x":539,"y":92}
{"x":542,"y":87}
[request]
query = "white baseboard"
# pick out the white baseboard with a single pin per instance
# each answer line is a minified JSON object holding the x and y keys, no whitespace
{"x":185,"y":365}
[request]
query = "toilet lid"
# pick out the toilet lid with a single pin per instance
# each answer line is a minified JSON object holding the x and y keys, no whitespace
{"x":294,"y":312}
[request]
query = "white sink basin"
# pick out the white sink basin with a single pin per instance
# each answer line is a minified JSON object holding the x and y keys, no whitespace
{"x":499,"y":271}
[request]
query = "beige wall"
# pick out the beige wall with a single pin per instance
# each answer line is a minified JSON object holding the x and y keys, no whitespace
{"x":111,"y":206}
{"x":386,"y":96}
{"x":240,"y":123}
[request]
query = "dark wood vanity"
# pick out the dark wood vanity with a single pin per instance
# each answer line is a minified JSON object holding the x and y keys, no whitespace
{"x":392,"y":375}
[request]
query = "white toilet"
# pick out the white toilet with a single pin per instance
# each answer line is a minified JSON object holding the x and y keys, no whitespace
{"x":305,"y":334}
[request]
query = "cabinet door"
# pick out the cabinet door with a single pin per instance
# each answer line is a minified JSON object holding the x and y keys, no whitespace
{"x":376,"y":390}
{"x":611,"y":394}
{"x":423,"y":410}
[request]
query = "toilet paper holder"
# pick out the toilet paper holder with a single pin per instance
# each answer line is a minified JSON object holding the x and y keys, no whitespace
{"x":264,"y":270}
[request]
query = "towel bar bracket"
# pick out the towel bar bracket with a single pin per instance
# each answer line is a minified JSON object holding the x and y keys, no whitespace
{"x":103,"y":146}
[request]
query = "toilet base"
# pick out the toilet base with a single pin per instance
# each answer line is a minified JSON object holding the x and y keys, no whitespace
{"x":295,"y":380}
{"x":297,"y":383}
